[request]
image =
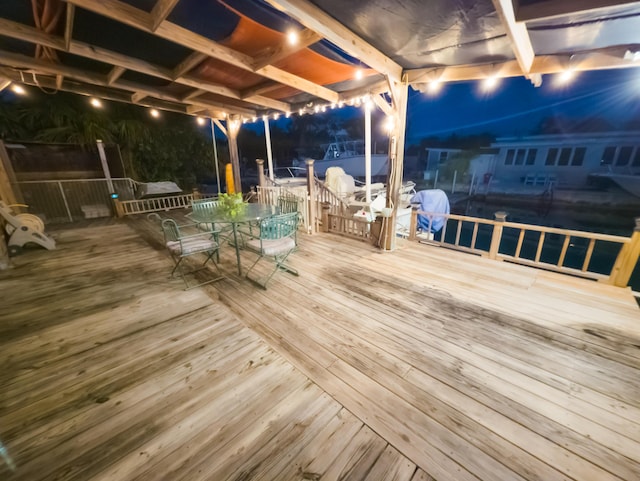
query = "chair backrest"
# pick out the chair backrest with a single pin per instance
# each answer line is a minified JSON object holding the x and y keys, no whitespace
{"x":204,"y":206}
{"x":171,"y":230}
{"x":279,"y":226}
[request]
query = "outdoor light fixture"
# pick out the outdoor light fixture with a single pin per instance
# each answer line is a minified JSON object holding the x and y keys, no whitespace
{"x":154,"y":113}
{"x":292,"y":37}
{"x":566,"y":76}
{"x":491,"y":83}
{"x":389,"y":124}
{"x":95,"y":102}
{"x":18,"y":89}
{"x":434,"y":86}
{"x":200,"y":120}
{"x":359,"y":74}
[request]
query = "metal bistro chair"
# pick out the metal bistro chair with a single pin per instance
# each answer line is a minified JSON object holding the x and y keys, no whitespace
{"x":278,"y":239}
{"x":181,"y":245}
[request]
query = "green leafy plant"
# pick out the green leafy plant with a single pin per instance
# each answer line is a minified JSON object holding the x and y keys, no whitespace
{"x":232,"y":204}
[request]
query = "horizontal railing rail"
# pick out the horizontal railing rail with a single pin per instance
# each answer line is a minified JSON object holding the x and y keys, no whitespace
{"x":563,"y":250}
{"x":157,"y":204}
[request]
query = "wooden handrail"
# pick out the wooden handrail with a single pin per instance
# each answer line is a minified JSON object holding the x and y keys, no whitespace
{"x":620,"y":273}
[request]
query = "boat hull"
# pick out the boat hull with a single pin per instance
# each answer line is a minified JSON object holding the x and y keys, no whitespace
{"x":354,"y":165}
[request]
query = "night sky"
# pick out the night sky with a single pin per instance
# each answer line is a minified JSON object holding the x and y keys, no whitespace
{"x":516,"y":107}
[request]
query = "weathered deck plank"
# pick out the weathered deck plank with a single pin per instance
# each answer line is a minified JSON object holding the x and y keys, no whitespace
{"x":414,"y":365}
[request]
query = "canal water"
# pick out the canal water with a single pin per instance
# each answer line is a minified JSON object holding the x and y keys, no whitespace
{"x":590,"y":218}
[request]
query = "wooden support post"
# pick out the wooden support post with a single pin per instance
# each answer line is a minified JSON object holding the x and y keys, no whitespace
{"x":267,"y":139}
{"x":496,"y":237}
{"x":233,"y":126}
{"x":7,"y":178}
{"x":105,"y":165}
{"x":311,"y":194}
{"x":626,"y":260}
{"x":195,"y":194}
{"x":117,"y":205}
{"x":400,"y":92}
{"x":261,"y":181}
{"x":326,"y":210}
{"x":413,"y":227}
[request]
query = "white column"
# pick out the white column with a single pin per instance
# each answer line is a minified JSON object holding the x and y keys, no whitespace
{"x":367,"y":150}
{"x":105,"y":165}
{"x":267,"y":136}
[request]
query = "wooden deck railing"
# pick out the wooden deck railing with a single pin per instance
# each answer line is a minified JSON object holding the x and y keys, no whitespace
{"x":142,"y":206}
{"x":562,"y":250}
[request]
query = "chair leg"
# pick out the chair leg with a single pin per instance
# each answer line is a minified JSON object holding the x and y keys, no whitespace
{"x":279,"y":264}
{"x":183,"y":274}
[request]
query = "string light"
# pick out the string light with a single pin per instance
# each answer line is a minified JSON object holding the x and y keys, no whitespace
{"x":18,"y":89}
{"x":200,"y":120}
{"x":154,"y":113}
{"x":95,"y":102}
{"x":287,"y":115}
{"x":333,"y":106}
{"x":359,"y":74}
{"x":566,"y":76}
{"x":491,"y":83}
{"x":434,"y":87}
{"x":276,"y":116}
{"x":293,"y":37}
{"x":316,"y":109}
{"x":389,"y":123}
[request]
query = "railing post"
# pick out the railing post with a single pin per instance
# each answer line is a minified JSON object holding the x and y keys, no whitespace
{"x":195,"y":194}
{"x":64,"y":199}
{"x":413,"y":227}
{"x":326,"y":209}
{"x":261,"y":181}
{"x":626,"y":260}
{"x":311,"y":193}
{"x":118,"y":208}
{"x":496,"y":237}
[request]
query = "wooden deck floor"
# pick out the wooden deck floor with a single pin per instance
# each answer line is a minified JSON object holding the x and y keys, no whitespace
{"x":412,"y":365}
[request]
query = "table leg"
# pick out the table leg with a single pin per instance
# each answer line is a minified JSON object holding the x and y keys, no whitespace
{"x":235,"y":241}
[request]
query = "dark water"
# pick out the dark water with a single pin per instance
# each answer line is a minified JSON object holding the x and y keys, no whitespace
{"x":592,"y":218}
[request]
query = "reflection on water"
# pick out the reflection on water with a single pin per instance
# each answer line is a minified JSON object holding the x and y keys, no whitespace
{"x":537,"y":211}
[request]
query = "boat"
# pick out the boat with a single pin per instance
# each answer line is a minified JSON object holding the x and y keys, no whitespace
{"x":349,"y":155}
{"x":628,"y":182}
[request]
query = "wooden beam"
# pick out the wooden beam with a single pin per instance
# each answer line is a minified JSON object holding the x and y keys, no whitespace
{"x":321,"y":22}
{"x":188,"y":63}
{"x":517,"y":33}
{"x":22,"y":61}
{"x":123,"y":62}
{"x":271,"y":55}
{"x":382,"y":103}
{"x":92,"y":91}
{"x":222,"y":128}
{"x":558,"y":8}
{"x":141,"y":20}
{"x":260,"y":89}
{"x":68,"y":26}
{"x":136,"y":97}
{"x":115,"y":74}
{"x":542,"y":65}
{"x":161,"y":10}
{"x":4,"y":83}
{"x":193,"y":94}
{"x":59,"y":80}
{"x":30,"y":34}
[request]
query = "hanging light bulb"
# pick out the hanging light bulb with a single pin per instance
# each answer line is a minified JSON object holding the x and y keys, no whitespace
{"x":95,"y":102}
{"x":293,"y":37}
{"x":359,"y":74}
{"x":287,"y":115}
{"x":200,"y":120}
{"x":276,"y":116}
{"x":389,"y":123}
{"x":154,"y":113}
{"x":491,"y":83}
{"x":434,"y":86}
{"x":18,"y":89}
{"x":566,"y":76}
